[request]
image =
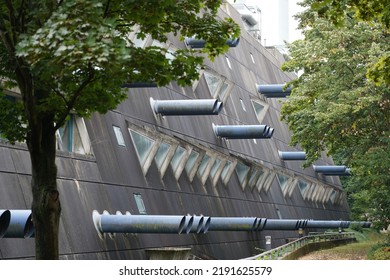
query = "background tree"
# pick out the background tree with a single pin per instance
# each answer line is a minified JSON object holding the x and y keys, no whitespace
{"x":72,"y":57}
{"x":377,"y":11}
{"x":336,"y":108}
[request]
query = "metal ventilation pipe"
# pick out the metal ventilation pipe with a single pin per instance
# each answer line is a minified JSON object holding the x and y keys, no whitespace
{"x":20,"y":225}
{"x":233,"y":224}
{"x":273,"y":91}
{"x":200,"y":43}
{"x":243,"y":131}
{"x":186,"y":107}
{"x":327,"y":224}
{"x":201,"y":224}
{"x":332,"y":170}
{"x":292,"y":155}
{"x":286,"y":224}
{"x":141,"y":223}
{"x":5,"y":218}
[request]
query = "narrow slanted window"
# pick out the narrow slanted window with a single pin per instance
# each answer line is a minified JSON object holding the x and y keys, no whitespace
{"x":140,"y":204}
{"x":177,"y":157}
{"x":191,"y":161}
{"x":228,"y":62}
{"x":268,"y":181}
{"x":283,"y":181}
{"x":119,"y":136}
{"x":242,"y":171}
{"x":161,"y":154}
{"x":253,"y":59}
{"x":215,"y":168}
{"x":254,"y":175}
{"x":142,"y":144}
{"x":303,"y":187}
{"x":260,"y":180}
{"x":226,"y":172}
{"x":203,"y":165}
{"x":242,"y":104}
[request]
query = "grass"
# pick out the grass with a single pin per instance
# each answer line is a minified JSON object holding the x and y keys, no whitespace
{"x":355,"y":251}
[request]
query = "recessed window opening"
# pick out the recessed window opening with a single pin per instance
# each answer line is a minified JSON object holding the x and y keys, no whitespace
{"x":226,"y":172}
{"x":242,"y":104}
{"x":253,"y":59}
{"x":140,"y":204}
{"x":218,"y":86}
{"x":73,"y":136}
{"x":283,"y":181}
{"x":203,"y":165}
{"x":161,"y":154}
{"x":177,"y":157}
{"x":143,"y":145}
{"x":228,"y":62}
{"x":242,"y":171}
{"x":303,"y":187}
{"x":279,"y":214}
{"x":191,"y":161}
{"x":215,"y":168}
{"x":260,"y":110}
{"x":119,"y":136}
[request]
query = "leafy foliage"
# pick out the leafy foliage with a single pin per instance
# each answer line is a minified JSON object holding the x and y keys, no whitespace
{"x":336,"y":108}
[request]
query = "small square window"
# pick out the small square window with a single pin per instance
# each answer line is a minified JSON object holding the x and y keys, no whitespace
{"x":119,"y":136}
{"x":253,"y":59}
{"x":228,"y":62}
{"x":242,"y":104}
{"x":140,"y":204}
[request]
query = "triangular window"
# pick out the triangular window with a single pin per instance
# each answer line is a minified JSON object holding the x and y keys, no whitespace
{"x":143,"y":145}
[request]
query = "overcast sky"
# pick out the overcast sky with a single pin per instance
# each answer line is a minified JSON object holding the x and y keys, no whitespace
{"x":270,"y":21}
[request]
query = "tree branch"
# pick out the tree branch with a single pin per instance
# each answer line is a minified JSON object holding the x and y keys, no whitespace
{"x":72,"y":101}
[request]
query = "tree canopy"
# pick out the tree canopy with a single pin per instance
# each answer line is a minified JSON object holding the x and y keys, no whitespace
{"x":335,"y":107}
{"x":73,"y":56}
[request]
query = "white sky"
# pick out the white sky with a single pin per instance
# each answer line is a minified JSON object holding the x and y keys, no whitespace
{"x":270,"y":20}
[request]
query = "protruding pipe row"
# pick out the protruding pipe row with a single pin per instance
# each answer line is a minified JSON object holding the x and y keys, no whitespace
{"x":332,"y":170}
{"x":186,"y":107}
{"x":200,"y":43}
{"x":243,"y":131}
{"x":119,"y":223}
{"x":292,"y":155}
{"x":273,"y":91}
{"x":16,"y":224}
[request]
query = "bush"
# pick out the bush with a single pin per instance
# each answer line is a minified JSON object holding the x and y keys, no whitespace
{"x":380,"y":251}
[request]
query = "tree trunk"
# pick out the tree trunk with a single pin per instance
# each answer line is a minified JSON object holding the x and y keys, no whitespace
{"x":46,"y":206}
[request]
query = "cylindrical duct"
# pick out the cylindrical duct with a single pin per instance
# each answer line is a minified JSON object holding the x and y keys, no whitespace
{"x":232,"y":224}
{"x":273,"y":91}
{"x":5,"y":217}
{"x":143,"y":224}
{"x":200,"y":43}
{"x":327,"y":224}
{"x":186,"y":107}
{"x":243,"y":131}
{"x":292,"y":155}
{"x":330,"y":168}
{"x":20,"y":225}
{"x":286,"y":224}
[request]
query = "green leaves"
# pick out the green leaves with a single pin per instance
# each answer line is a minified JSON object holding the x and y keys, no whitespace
{"x":340,"y":104}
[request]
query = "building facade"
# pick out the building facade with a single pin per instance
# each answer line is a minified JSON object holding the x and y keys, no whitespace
{"x":137,"y":161}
